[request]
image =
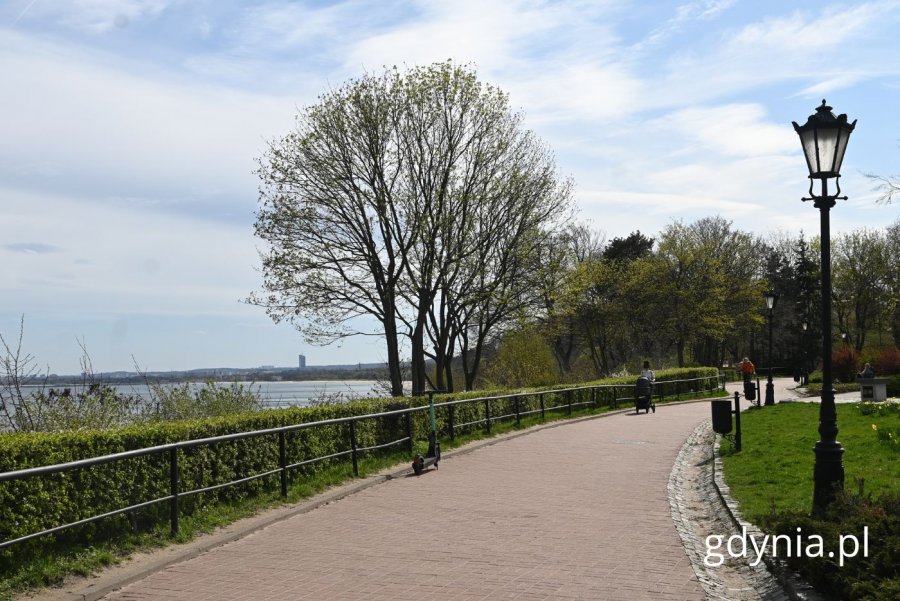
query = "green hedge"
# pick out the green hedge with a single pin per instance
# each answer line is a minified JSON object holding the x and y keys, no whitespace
{"x":38,"y":503}
{"x":670,"y":384}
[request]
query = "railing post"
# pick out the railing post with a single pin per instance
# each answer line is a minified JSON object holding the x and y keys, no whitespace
{"x":487,"y":414}
{"x":516,"y":399}
{"x":282,"y":461}
{"x":451,"y":422}
{"x":737,"y":421}
{"x":569,"y":401}
{"x":353,"y":448}
{"x":677,"y":390}
{"x":409,"y":430}
{"x":173,"y":485}
{"x":542,"y":406}
{"x":594,"y":398}
{"x":615,"y":402}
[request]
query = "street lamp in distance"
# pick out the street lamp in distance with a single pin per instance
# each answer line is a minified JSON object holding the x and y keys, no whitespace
{"x":771,"y":298}
{"x":804,"y":373}
{"x":824,"y":140}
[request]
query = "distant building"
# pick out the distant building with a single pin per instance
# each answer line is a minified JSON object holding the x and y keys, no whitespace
{"x":302,"y":359}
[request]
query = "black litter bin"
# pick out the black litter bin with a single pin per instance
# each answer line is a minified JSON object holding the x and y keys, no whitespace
{"x":721,"y":416}
{"x":749,"y":390}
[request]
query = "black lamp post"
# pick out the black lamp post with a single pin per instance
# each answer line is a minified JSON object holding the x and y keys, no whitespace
{"x":771,"y":298}
{"x":804,"y":377}
{"x":824,"y":140}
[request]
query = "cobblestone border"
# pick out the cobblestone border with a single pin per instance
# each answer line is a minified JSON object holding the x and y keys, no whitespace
{"x":712,"y":585}
{"x":697,"y":512}
{"x":797,"y":589}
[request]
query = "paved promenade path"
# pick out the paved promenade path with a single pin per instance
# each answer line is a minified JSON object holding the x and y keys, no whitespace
{"x":576,"y":511}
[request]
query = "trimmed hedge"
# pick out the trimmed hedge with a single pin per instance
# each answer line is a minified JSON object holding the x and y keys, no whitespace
{"x":37,"y":503}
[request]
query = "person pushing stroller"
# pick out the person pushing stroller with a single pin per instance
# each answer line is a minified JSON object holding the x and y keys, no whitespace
{"x":644,"y":389}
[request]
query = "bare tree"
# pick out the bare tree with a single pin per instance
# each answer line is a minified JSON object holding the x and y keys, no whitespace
{"x":887,"y":187}
{"x":17,"y":369}
{"x":334,"y":219}
{"x":376,"y":205}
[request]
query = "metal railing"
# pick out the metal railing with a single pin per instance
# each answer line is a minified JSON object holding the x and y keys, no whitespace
{"x":488,"y":410}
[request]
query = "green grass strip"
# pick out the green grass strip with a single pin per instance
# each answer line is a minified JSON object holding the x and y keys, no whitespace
{"x":774,"y":471}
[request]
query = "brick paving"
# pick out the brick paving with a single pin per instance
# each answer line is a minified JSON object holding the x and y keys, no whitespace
{"x":578,"y":511}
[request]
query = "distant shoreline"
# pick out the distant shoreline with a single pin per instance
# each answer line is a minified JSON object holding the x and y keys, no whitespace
{"x":224,"y":375}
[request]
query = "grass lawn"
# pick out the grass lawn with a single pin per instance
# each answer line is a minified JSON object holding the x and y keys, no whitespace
{"x":774,"y":471}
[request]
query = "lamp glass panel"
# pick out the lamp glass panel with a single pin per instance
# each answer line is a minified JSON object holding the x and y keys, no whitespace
{"x":843,"y":136}
{"x":808,"y":140}
{"x":828,"y":138}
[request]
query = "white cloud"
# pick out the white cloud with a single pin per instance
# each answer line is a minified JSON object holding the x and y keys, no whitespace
{"x":81,"y":118}
{"x":838,"y":46}
{"x":111,"y":259}
{"x":94,"y":16}
{"x":798,"y":34}
{"x":580,"y":92}
{"x":739,"y":130}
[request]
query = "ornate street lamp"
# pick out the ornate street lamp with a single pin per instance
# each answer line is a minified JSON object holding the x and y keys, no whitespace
{"x":771,"y":298}
{"x":824,"y":140}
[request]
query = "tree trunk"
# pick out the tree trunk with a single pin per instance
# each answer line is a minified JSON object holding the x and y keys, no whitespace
{"x":418,"y":344}
{"x":393,"y":349}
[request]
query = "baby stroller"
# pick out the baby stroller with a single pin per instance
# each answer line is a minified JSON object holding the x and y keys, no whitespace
{"x":643,"y":395}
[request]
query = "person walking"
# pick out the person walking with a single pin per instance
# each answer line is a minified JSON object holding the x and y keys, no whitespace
{"x":648,"y":373}
{"x":747,"y":369}
{"x":651,"y":377}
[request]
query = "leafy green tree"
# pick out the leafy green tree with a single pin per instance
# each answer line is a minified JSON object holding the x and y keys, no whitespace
{"x":691,"y":289}
{"x":808,"y":302}
{"x":592,"y":299}
{"x":738,"y":255}
{"x":523,"y":359}
{"x":892,"y":302}
{"x":861,"y":281}
{"x":624,"y":250}
{"x":555,"y":261}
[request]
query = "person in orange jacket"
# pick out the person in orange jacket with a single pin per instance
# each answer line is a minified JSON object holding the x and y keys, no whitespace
{"x":747,"y":369}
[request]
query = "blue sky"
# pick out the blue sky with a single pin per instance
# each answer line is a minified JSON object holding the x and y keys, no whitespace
{"x":129,"y":131}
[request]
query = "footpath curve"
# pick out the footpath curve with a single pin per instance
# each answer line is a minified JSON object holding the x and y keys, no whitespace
{"x":579,"y":511}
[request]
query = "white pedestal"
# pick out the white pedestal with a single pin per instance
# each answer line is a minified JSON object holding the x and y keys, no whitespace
{"x":873,"y":389}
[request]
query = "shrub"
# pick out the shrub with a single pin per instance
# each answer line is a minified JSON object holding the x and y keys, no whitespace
{"x":92,"y":406}
{"x":887,"y":362}
{"x":893,"y":385}
{"x":873,"y":578}
{"x":523,"y":359}
{"x":189,"y":401}
{"x":845,"y":363}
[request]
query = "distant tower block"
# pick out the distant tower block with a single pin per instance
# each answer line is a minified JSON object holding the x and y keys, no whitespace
{"x":302,"y":359}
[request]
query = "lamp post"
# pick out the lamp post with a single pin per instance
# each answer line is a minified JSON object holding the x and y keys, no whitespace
{"x":771,"y":298}
{"x":804,"y":376}
{"x":824,"y":140}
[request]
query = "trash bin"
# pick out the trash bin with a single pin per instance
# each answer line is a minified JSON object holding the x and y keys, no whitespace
{"x":721,"y":416}
{"x":749,"y":390}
